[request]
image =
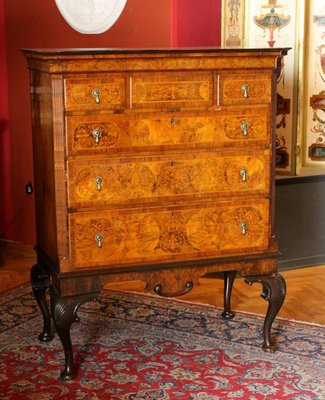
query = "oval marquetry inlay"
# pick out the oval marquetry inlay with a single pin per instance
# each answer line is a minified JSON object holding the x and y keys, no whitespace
{"x":221,"y":228}
{"x":80,"y":94}
{"x":256,"y":127}
{"x":254,"y":172}
{"x":84,"y":137}
{"x":139,"y":236}
{"x":129,"y":134}
{"x":87,"y":236}
{"x":153,"y":178}
{"x":256,"y":90}
{"x":259,"y":89}
{"x":172,"y":233}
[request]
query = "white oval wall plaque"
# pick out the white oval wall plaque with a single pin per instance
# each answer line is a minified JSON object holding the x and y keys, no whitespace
{"x":90,"y":16}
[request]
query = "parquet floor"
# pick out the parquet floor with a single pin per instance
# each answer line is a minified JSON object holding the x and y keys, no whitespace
{"x":305,"y":300}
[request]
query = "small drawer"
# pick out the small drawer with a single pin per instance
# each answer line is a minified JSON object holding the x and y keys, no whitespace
{"x":115,"y":238}
{"x":172,"y":91}
{"x":246,"y":127}
{"x":245,"y":89}
{"x":94,"y":183}
{"x":95,"y":94}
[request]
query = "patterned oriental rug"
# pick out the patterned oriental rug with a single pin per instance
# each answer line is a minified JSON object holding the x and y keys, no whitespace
{"x":129,"y":346}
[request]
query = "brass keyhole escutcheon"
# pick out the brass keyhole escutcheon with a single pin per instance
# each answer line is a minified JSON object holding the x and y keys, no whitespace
{"x":96,"y":93}
{"x":243,"y":173}
{"x":244,"y":227}
{"x":99,"y":239}
{"x":245,"y":90}
{"x":97,"y":134}
{"x":99,"y":181}
{"x":244,"y":128}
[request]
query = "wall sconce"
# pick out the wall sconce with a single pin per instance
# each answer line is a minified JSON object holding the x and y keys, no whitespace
{"x":90,"y":16}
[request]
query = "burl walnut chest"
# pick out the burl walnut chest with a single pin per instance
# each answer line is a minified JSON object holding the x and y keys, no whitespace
{"x":155,"y":165}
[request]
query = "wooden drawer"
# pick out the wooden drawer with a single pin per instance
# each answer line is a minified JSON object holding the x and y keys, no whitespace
{"x":96,"y":183}
{"x":134,"y":236}
{"x":127,"y":133}
{"x":85,"y":94}
{"x":246,"y":127}
{"x":245,"y":89}
{"x":178,"y":90}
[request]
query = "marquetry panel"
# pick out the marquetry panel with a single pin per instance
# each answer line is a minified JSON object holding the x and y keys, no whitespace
{"x":246,"y":127}
{"x":94,"y":94}
{"x":248,"y":89}
{"x":132,"y":236}
{"x":103,"y":134}
{"x":177,"y":90}
{"x":155,"y":178}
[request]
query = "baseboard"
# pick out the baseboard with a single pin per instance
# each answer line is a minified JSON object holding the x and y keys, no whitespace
{"x":304,"y":262}
{"x":294,"y":180}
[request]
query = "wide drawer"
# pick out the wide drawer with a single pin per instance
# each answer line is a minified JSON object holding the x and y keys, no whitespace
{"x":89,"y":94}
{"x":98,"y":183}
{"x":244,"y":89}
{"x":134,"y":236}
{"x":127,"y":133}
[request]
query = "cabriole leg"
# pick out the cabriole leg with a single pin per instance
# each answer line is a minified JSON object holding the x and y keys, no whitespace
{"x":229,"y":277}
{"x":64,"y":314}
{"x":40,"y":280}
{"x":274,"y":291}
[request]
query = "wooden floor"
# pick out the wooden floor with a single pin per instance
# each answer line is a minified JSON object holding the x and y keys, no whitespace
{"x":305,"y":300}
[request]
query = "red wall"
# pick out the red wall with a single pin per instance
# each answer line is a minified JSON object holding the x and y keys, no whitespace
{"x":196,"y":23}
{"x":5,"y":187}
{"x":38,"y":24}
{"x":143,"y":23}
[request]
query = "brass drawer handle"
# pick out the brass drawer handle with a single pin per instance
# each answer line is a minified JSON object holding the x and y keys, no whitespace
{"x":244,"y":128}
{"x":96,"y":93}
{"x":243,"y":174}
{"x":99,"y":239}
{"x":245,"y":90}
{"x":97,"y":134}
{"x":244,"y":228}
{"x":99,"y":181}
{"x":173,"y":121}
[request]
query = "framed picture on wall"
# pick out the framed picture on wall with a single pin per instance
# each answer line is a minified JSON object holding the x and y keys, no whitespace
{"x":313,"y":142}
{"x":270,"y":23}
{"x":300,"y":142}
